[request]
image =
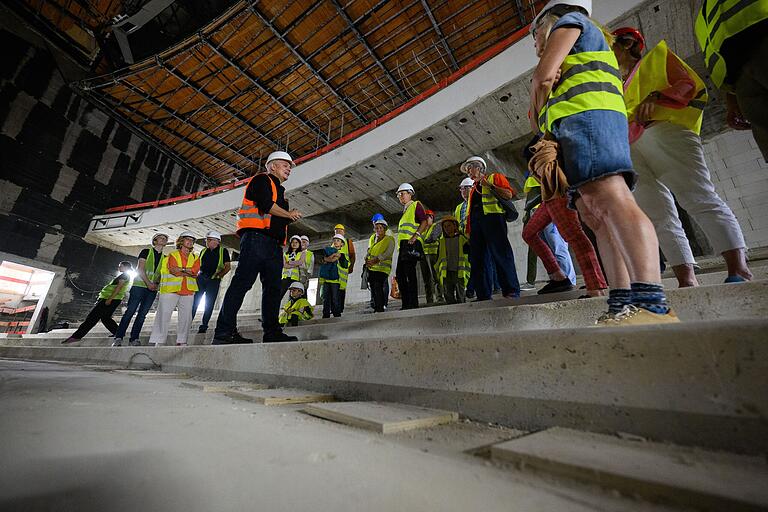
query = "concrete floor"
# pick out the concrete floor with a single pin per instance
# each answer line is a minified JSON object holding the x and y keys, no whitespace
{"x":81,"y":440}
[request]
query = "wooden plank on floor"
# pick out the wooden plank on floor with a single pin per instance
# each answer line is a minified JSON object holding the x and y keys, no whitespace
{"x":280,"y":396}
{"x":101,"y":367}
{"x":153,"y":374}
{"x":223,"y":386}
{"x":689,"y":476}
{"x":382,"y":417}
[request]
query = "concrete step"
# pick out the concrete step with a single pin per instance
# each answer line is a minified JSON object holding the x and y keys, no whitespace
{"x":697,"y":383}
{"x":689,"y":477}
{"x":745,"y":300}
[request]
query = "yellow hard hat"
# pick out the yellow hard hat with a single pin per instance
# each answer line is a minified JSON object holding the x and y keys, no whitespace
{"x":340,"y":226}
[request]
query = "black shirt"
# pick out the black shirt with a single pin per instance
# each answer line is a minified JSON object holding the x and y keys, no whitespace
{"x":260,"y":192}
{"x":144,"y":255}
{"x":210,"y":260}
{"x":477,"y":201}
{"x":737,"y":50}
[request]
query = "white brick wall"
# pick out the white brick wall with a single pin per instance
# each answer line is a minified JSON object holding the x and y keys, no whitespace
{"x":740,"y":175}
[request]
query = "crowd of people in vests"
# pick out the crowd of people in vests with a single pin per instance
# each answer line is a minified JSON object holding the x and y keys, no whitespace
{"x":616,"y":144}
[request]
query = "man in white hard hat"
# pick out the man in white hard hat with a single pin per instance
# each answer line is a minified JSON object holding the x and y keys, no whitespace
{"x":143,"y":291}
{"x":461,"y":212}
{"x":262,"y":224}
{"x":214,"y":264}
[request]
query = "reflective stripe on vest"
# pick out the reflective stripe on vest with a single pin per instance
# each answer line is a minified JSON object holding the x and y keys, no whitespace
{"x":461,"y":215}
{"x":463,"y":266}
{"x":249,"y":217}
{"x":220,"y":265}
{"x":292,"y":272}
{"x":429,"y":248}
{"x":344,"y":272}
{"x":490,"y":203}
{"x":151,"y":275}
{"x":719,"y":20}
{"x":300,"y":307}
{"x":588,"y":81}
{"x":376,"y":249}
{"x":651,"y":76}
{"x":407,"y":227}
{"x":170,"y":283}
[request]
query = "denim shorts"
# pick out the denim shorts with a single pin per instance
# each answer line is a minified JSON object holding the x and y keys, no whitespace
{"x":594,"y":145}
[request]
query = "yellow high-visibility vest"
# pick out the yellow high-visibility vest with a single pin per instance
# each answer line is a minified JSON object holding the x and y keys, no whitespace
{"x":588,"y":81}
{"x":442,"y":261}
{"x":300,"y":307}
{"x":719,"y":20}
{"x":490,"y":203}
{"x":429,"y":248}
{"x":651,"y":76}
{"x":220,"y":264}
{"x":293,"y":272}
{"x":151,"y":268}
{"x":376,"y":249}
{"x":462,"y":218}
{"x":344,"y":272}
{"x":407,"y":227}
{"x":170,"y":283}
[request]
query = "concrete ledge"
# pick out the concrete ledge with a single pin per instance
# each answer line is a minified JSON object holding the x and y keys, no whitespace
{"x":703,"y":383}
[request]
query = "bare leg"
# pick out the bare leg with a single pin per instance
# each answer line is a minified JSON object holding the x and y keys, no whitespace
{"x":613,"y":263}
{"x":736,"y":261}
{"x":634,"y":239}
{"x":685,"y":276}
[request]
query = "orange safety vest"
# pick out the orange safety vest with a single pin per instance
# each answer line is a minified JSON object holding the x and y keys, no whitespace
{"x":249,"y":217}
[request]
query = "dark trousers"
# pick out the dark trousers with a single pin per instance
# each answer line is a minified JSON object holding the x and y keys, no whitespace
{"x":430,"y":278}
{"x":453,"y":289}
{"x":406,"y":279}
{"x":101,"y":311}
{"x":260,"y":256}
{"x":378,"y":284}
{"x":331,"y":300}
{"x":386,"y":294}
{"x":140,"y":301}
{"x":210,"y":288}
{"x":489,"y":235}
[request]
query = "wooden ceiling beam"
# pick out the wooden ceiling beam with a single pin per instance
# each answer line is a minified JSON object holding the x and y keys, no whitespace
{"x":440,"y":35}
{"x":305,"y":62}
{"x":361,"y":39}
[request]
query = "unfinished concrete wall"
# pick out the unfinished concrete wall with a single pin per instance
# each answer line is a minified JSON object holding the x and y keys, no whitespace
{"x":61,"y":162}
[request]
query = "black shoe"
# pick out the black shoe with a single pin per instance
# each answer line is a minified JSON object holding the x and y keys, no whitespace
{"x":553,"y":286}
{"x":278,"y":338}
{"x":222,"y":339}
{"x":237,"y":338}
{"x":470,"y":295}
{"x":202,"y":329}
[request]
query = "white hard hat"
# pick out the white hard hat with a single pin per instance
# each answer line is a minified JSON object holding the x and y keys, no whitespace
{"x":383,"y":222}
{"x":157,"y":235}
{"x":279,"y":155}
{"x":340,"y":237}
{"x":467,"y":182}
{"x":214,"y":234}
{"x":297,"y":285}
{"x":304,"y":238}
{"x":473,"y":159}
{"x":405,"y":187}
{"x":584,"y":4}
{"x":295,"y":237}
{"x":187,"y":234}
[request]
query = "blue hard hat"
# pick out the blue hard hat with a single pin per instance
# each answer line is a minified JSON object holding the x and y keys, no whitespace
{"x":377,"y":216}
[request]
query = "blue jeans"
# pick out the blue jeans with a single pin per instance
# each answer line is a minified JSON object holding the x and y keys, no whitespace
{"x":489,"y":235}
{"x":331,"y":300}
{"x":139,"y":299}
{"x":210,"y":288}
{"x":594,"y":145}
{"x":559,"y":247}
{"x":260,"y":256}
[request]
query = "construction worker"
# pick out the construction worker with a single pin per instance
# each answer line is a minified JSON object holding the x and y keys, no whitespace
{"x":305,"y":271}
{"x":143,"y":290}
{"x":413,"y":223}
{"x":262,"y":224}
{"x":109,"y":299}
{"x":178,"y":284}
{"x":334,"y":260}
{"x":487,"y":230}
{"x":430,"y":242}
{"x":461,"y":212}
{"x":665,"y":101}
{"x":349,"y":252}
{"x":589,"y":132}
{"x":293,"y":259}
{"x":381,"y":248}
{"x":214,"y":264}
{"x":734,"y":37}
{"x":452,"y":261}
{"x":297,"y":308}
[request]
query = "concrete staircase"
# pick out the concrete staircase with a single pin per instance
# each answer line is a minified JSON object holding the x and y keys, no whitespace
{"x":534,"y":366}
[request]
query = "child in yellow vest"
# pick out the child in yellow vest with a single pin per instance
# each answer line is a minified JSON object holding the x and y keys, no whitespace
{"x":297,"y":308}
{"x":452,"y":261}
{"x":178,"y":284}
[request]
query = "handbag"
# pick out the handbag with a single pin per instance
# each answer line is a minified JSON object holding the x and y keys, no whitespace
{"x":410,"y":252}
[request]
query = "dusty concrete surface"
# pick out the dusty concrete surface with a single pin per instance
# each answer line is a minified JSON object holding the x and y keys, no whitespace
{"x":78,"y":440}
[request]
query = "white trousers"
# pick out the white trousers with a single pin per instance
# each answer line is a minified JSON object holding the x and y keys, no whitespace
{"x":165,"y":306}
{"x":670,"y":160}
